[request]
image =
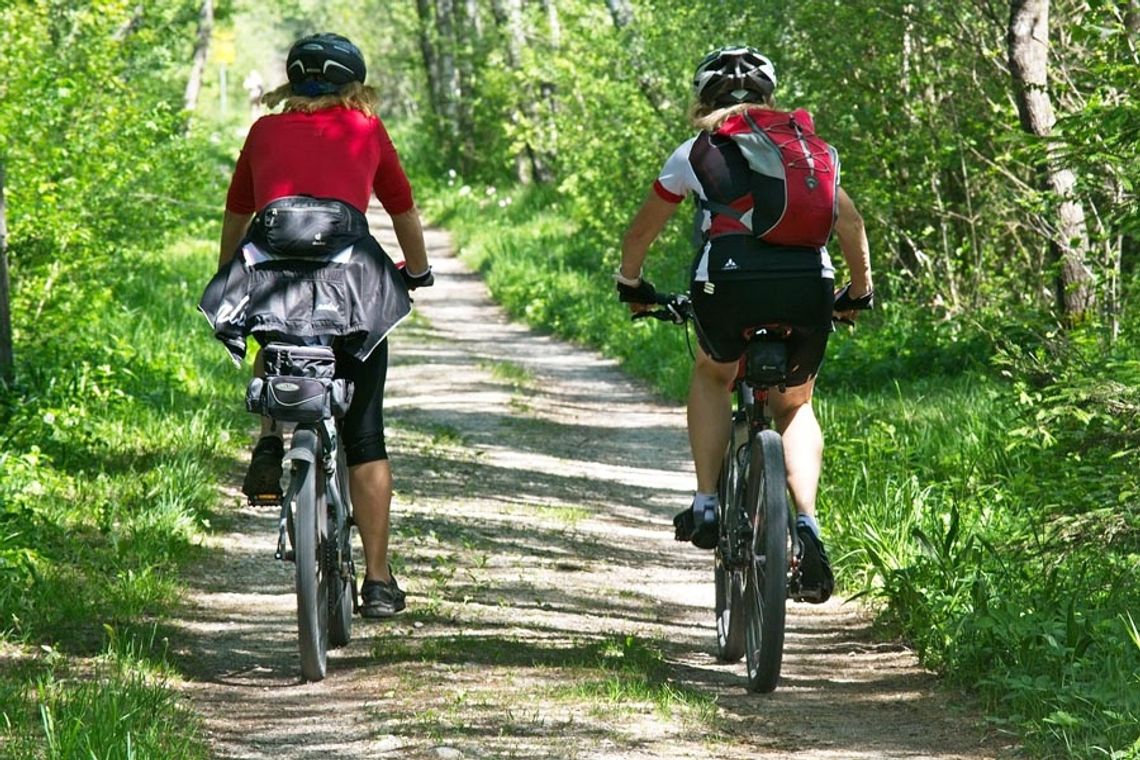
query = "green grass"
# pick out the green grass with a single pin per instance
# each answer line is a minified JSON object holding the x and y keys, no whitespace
{"x":114,"y":435}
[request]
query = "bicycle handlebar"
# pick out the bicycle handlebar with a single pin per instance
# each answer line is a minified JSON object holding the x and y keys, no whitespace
{"x":677,"y":308}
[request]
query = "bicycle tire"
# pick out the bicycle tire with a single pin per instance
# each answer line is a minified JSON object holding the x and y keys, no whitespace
{"x":310,"y":527}
{"x":729,"y":579}
{"x":340,"y":573}
{"x":766,"y":583}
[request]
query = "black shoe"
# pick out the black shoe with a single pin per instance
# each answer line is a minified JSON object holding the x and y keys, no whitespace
{"x":381,"y":600}
{"x":703,"y":536}
{"x":816,"y":579}
{"x":263,"y":478}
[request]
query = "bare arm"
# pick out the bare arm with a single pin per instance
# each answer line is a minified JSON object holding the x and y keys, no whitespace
{"x":234,"y":227}
{"x":647,"y":224}
{"x":410,"y":235}
{"x":853,"y":243}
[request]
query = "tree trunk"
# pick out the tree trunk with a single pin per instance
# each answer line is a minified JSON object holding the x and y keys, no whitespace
{"x":530,"y":164}
{"x":449,"y":90}
{"x":131,"y":24}
{"x":201,"y":50}
{"x":468,"y":40}
{"x":474,"y":21}
{"x":621,"y":11}
{"x":1028,"y":47}
{"x":556,"y":26}
{"x":6,"y":362}
{"x":427,"y":51}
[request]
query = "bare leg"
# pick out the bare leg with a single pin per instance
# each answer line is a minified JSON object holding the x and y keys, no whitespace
{"x":709,"y":411}
{"x":371,"y":487}
{"x":803,"y":443}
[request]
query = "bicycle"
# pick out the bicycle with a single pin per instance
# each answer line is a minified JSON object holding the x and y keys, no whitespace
{"x":315,"y":523}
{"x":757,"y":556}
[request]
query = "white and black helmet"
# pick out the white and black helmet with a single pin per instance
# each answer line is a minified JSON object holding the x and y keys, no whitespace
{"x":732,"y":75}
{"x":321,"y":63}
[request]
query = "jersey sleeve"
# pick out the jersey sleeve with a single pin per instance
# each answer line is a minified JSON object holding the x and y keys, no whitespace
{"x":239,"y":198}
{"x":676,"y":179}
{"x":391,"y":183}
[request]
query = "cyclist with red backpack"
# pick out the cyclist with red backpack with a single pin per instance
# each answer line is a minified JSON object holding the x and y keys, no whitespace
{"x":768,"y":199}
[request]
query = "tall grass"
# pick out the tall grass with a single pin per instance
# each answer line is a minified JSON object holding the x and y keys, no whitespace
{"x":979,"y":479}
{"x":121,"y":416}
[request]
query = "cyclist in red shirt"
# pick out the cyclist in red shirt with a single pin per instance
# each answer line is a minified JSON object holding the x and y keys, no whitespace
{"x":740,"y":280}
{"x":329,"y":143}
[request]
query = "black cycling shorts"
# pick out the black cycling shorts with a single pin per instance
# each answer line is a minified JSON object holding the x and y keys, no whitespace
{"x":805,"y":303}
{"x":362,"y":428}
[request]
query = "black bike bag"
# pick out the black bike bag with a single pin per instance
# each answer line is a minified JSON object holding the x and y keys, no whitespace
{"x":766,"y":363}
{"x":304,"y":226}
{"x":299,"y":385}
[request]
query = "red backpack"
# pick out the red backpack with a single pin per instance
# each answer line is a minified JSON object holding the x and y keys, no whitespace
{"x":796,"y":177}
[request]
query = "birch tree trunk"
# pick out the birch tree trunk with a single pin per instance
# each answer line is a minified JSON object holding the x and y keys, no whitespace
{"x":201,"y":50}
{"x":6,"y":362}
{"x":622,"y":14}
{"x":427,"y":51}
{"x":443,"y":58}
{"x":1028,"y":48}
{"x":530,"y":166}
{"x":449,"y":90}
{"x":555,"y":25}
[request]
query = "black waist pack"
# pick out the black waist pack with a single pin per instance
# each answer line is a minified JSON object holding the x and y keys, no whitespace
{"x":299,"y":385}
{"x":307,"y":227}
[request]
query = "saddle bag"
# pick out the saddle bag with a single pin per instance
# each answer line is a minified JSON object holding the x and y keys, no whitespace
{"x":766,"y":363}
{"x":299,"y":385}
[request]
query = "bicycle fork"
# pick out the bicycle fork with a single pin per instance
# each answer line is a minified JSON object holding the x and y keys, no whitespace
{"x":284,"y":551}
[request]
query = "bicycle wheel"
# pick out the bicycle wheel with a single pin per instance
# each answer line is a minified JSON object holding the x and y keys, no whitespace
{"x":310,"y":529}
{"x":339,"y":561}
{"x":730,"y":621}
{"x":766,"y":582}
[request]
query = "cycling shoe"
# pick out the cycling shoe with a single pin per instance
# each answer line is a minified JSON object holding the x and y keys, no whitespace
{"x":816,"y":579}
{"x":263,"y":478}
{"x":703,"y":536}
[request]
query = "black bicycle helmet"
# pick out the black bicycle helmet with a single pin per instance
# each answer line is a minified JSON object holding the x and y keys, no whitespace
{"x":732,"y":75}
{"x":319,"y":64}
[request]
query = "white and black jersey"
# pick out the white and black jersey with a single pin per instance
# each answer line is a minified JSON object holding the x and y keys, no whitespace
{"x":714,"y":170}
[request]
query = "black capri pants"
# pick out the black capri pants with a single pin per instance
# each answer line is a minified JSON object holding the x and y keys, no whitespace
{"x":804,"y":302}
{"x":362,"y":428}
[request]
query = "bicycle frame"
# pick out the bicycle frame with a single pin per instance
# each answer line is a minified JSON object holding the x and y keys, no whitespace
{"x":749,"y":417}
{"x":315,"y":518}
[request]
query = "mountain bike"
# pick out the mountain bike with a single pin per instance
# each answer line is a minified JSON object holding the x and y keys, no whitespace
{"x":315,"y":524}
{"x":756,"y":560}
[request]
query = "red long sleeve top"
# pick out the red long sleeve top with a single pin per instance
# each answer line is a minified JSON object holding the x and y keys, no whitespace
{"x":333,"y":153}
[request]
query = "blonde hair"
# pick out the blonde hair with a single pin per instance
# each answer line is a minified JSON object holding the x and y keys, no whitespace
{"x":708,"y":118}
{"x":354,"y":95}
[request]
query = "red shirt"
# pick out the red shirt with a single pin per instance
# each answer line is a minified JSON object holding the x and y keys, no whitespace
{"x":333,"y":153}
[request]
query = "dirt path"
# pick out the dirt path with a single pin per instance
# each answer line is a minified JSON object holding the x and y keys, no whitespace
{"x":551,"y":615}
